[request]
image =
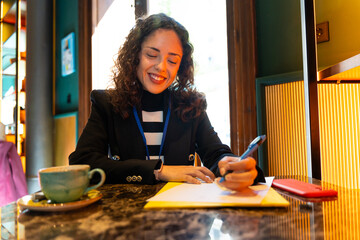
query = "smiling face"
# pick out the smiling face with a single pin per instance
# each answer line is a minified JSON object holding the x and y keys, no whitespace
{"x":160,"y":58}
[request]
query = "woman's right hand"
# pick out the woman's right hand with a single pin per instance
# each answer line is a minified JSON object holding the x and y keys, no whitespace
{"x":189,"y":174}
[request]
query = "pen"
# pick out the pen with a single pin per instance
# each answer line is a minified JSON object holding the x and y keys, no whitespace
{"x":251,"y":148}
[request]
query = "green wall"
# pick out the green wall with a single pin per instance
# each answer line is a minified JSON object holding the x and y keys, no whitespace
{"x":344,"y":22}
{"x":66,"y":88}
{"x":278,"y":26}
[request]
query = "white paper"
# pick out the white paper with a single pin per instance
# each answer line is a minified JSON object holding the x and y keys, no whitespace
{"x":211,"y":192}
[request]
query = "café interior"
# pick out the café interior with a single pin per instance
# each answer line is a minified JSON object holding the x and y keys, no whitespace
{"x":292,"y":72}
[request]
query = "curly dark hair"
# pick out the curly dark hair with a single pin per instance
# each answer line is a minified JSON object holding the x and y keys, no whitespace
{"x":187,"y":102}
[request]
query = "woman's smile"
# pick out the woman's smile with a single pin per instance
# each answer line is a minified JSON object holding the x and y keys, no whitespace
{"x":157,"y":79}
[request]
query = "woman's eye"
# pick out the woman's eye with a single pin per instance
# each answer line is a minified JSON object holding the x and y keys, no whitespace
{"x":151,"y":55}
{"x":172,"y":61}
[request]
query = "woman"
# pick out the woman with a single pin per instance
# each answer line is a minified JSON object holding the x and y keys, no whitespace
{"x":148,"y":128}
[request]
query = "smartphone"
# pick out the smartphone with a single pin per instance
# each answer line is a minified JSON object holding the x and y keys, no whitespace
{"x":303,"y":189}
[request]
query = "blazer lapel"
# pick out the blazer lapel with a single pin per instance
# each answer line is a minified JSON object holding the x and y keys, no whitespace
{"x":128,"y":138}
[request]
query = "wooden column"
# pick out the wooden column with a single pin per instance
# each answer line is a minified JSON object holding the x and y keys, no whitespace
{"x":242,"y":72}
{"x":85,"y":73}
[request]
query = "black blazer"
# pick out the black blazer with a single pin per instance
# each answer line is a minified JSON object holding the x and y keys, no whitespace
{"x":115,"y":144}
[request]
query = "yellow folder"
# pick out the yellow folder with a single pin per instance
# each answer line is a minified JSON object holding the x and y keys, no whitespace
{"x":271,"y":199}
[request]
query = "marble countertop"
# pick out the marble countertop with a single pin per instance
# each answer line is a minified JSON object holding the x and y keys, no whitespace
{"x":120,"y":214}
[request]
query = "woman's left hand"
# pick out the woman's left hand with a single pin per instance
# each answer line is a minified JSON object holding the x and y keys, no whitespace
{"x":189,"y":174}
{"x":243,"y":175}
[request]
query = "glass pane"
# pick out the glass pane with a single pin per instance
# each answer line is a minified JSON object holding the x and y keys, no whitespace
{"x":110,"y":32}
{"x":206,"y":23}
{"x":8,"y":67}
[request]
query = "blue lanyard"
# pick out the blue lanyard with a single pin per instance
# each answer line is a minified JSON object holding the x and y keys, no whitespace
{"x":142,"y":131}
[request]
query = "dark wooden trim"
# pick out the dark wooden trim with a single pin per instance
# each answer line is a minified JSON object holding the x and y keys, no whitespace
{"x":345,"y":70}
{"x":338,"y":81}
{"x":85,"y":73}
{"x":310,"y":87}
{"x":242,"y":72}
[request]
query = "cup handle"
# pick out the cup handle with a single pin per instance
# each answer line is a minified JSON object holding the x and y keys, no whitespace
{"x":102,"y":180}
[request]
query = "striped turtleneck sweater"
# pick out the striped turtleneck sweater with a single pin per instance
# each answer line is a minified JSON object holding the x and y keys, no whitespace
{"x":152,"y":121}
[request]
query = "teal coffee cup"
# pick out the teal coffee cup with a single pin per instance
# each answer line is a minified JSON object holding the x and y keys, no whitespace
{"x":68,"y":183}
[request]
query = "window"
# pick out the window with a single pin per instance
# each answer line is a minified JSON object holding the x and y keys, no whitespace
{"x":207,"y":29}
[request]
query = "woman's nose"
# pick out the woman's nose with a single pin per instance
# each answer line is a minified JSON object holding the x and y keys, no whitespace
{"x":161,"y":65}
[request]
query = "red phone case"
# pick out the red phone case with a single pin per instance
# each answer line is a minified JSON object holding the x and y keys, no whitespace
{"x":303,"y":189}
